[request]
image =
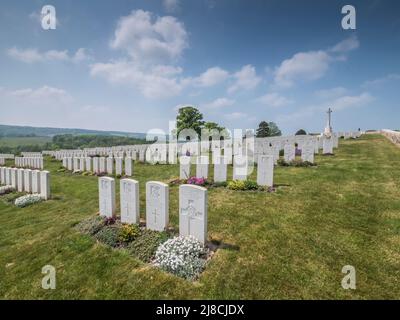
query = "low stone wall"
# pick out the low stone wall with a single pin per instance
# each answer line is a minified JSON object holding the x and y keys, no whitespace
{"x":393,"y":136}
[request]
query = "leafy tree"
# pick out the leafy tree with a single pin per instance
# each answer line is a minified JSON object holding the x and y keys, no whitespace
{"x":274,"y":130}
{"x":263,"y":130}
{"x":301,"y":132}
{"x":189,"y":118}
{"x":213,"y":125}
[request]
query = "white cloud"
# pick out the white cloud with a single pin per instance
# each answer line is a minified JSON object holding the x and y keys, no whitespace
{"x":346,"y":45}
{"x":304,"y":65}
{"x":346,"y":102}
{"x":154,"y":82}
{"x":171,"y":5}
{"x":332,"y":93}
{"x":312,"y":65}
{"x":274,"y":100}
{"x":236,"y":115}
{"x":149,"y":39}
{"x":210,"y":77}
{"x":219,"y":103}
{"x":33,"y":55}
{"x":379,"y":81}
{"x":245,"y":79}
{"x":43,"y":94}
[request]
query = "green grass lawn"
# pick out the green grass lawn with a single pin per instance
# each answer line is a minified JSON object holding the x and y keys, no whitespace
{"x":291,"y":244}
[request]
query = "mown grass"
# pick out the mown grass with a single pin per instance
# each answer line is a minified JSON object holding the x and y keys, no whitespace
{"x":291,"y":244}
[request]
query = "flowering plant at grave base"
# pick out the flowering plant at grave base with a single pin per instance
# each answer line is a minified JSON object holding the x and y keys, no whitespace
{"x":128,"y":232}
{"x":181,"y":256}
{"x":109,"y":221}
{"x":197,"y":181}
{"x":27,"y":200}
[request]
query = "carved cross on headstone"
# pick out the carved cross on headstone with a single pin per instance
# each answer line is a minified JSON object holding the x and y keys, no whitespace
{"x":155,"y":213}
{"x":191,"y":213}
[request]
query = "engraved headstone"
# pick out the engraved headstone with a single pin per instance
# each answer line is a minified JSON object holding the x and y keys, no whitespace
{"x":129,"y":197}
{"x":193,"y":212}
{"x":107,"y":197}
{"x":265,"y":171}
{"x":157,"y":204}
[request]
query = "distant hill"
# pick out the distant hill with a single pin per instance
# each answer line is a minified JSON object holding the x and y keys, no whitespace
{"x":26,"y":131}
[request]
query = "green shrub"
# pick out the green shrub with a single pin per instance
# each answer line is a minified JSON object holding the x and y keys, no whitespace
{"x":243,"y":185}
{"x":90,"y":226}
{"x":236,"y":185}
{"x":250,"y":185}
{"x":109,"y":235}
{"x":145,"y":245}
{"x":128,"y":233}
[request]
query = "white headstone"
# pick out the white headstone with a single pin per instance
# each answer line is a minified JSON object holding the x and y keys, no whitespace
{"x":307,"y":153}
{"x":220,"y":169}
{"x":28,"y":180}
{"x":76,"y":165}
{"x":128,"y":166}
{"x":193,"y":211}
{"x":96,"y":168}
{"x":20,"y":180}
{"x":202,"y":167}
{"x":107,"y":197}
{"x":129,"y":194}
{"x":35,"y":181}
{"x":240,"y":167}
{"x":184,"y":167}
{"x":289,"y":152}
{"x":265,"y":171}
{"x":45,"y":184}
{"x":14,"y":181}
{"x":8,"y":176}
{"x":327,"y":146}
{"x":88,"y":164}
{"x":157,"y":204}
{"x":110,"y":165}
{"x":118,"y":166}
{"x":102,"y":165}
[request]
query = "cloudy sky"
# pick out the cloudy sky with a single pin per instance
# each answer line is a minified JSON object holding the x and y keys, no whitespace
{"x":129,"y":64}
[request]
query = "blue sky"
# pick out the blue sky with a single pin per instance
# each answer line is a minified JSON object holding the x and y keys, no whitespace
{"x":128,"y":65}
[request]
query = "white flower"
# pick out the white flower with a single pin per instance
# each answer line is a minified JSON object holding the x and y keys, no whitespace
{"x":27,"y":200}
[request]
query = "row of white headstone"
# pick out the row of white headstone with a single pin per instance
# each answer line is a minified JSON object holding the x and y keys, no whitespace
{"x":29,"y":162}
{"x":119,"y":166}
{"x":31,"y":154}
{"x":7,"y":155}
{"x":241,"y":168}
{"x":26,"y":180}
{"x":192,"y":205}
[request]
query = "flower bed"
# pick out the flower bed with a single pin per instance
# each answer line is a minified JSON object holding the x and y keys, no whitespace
{"x":296,"y":163}
{"x":27,"y":200}
{"x":184,"y":257}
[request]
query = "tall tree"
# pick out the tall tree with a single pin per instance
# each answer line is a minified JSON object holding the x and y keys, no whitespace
{"x":263,"y":130}
{"x":189,"y":118}
{"x":213,"y":125}
{"x":301,"y":132}
{"x":274,"y":131}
